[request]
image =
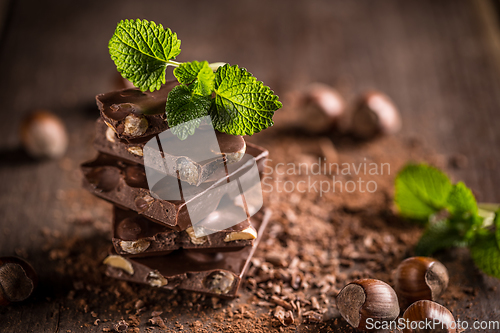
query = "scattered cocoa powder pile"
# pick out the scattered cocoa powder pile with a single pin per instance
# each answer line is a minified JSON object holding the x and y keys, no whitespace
{"x":315,"y":243}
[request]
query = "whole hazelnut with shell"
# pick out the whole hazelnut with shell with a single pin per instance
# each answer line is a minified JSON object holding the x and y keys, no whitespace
{"x":367,"y":300}
{"x":420,"y":278}
{"x":17,"y":280}
{"x":323,"y":106}
{"x":428,"y":317}
{"x":43,"y":135}
{"x":375,"y":114}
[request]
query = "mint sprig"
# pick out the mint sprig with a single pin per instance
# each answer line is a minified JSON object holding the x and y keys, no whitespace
{"x":142,"y":50}
{"x":237,"y":103}
{"x":423,"y":193}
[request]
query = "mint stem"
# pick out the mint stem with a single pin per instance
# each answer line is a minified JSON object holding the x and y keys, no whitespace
{"x":173,"y":63}
{"x":213,"y":66}
{"x":487,"y":212}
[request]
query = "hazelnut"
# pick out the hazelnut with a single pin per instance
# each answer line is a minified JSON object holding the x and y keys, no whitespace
{"x":17,"y":280}
{"x":219,"y":282}
{"x":135,"y":247}
{"x":43,"y":135}
{"x":135,"y":150}
{"x":323,"y":108}
{"x":120,"y":263}
{"x":110,"y":134}
{"x":104,"y":178}
{"x":155,"y":279}
{"x":196,"y":240}
{"x":245,"y":234}
{"x":420,"y":278}
{"x":130,"y":229}
{"x":367,"y":299}
{"x":143,"y":203}
{"x":135,"y":176}
{"x":427,"y":316}
{"x":135,"y":126}
{"x":375,"y":114}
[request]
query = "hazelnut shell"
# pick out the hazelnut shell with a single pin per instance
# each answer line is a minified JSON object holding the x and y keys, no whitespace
{"x":422,"y":311}
{"x":367,"y":298}
{"x":18,"y":279}
{"x":420,"y":278}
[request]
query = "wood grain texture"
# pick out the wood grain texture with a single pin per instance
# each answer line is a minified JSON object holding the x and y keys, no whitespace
{"x":436,"y":59}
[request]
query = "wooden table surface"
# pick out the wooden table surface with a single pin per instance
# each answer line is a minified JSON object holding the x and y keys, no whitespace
{"x":438,"y":60}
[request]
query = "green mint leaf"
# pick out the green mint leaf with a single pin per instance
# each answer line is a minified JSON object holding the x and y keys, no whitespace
{"x":486,"y":253}
{"x":141,"y":50}
{"x":243,"y":105}
{"x":421,"y":190}
{"x":187,"y":72}
{"x":461,"y":201}
{"x":205,"y":81}
{"x":199,"y":74}
{"x":438,"y":236}
{"x":183,"y":110}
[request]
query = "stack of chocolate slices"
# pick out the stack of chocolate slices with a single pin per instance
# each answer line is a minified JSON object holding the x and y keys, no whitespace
{"x":175,"y":224}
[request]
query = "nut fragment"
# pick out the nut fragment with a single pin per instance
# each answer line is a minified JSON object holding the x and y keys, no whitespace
{"x":196,"y":240}
{"x":110,"y":134}
{"x":188,"y":171}
{"x":143,"y":203}
{"x":155,"y":279}
{"x":219,"y":282}
{"x":135,"y":126}
{"x":119,"y":262}
{"x":135,"y":247}
{"x":135,"y":151}
{"x":248,"y":233}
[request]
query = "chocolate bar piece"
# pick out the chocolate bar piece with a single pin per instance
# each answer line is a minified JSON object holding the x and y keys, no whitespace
{"x":125,"y":184}
{"x":135,"y":114}
{"x":136,"y":236}
{"x":217,"y":274}
{"x":229,"y":148}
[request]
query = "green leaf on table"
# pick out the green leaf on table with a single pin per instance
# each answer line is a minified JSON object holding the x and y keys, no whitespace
{"x":486,"y":253}
{"x":438,"y":236}
{"x":461,"y":201}
{"x":141,"y":51}
{"x":421,"y":190}
{"x":183,"y":110}
{"x":243,"y":105}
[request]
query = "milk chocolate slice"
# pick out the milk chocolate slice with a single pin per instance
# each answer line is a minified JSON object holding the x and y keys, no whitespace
{"x":217,"y":274}
{"x":230,"y":148}
{"x":136,"y":236}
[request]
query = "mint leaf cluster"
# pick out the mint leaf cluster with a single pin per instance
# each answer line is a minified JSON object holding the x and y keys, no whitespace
{"x":236,"y":102}
{"x":450,"y":214}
